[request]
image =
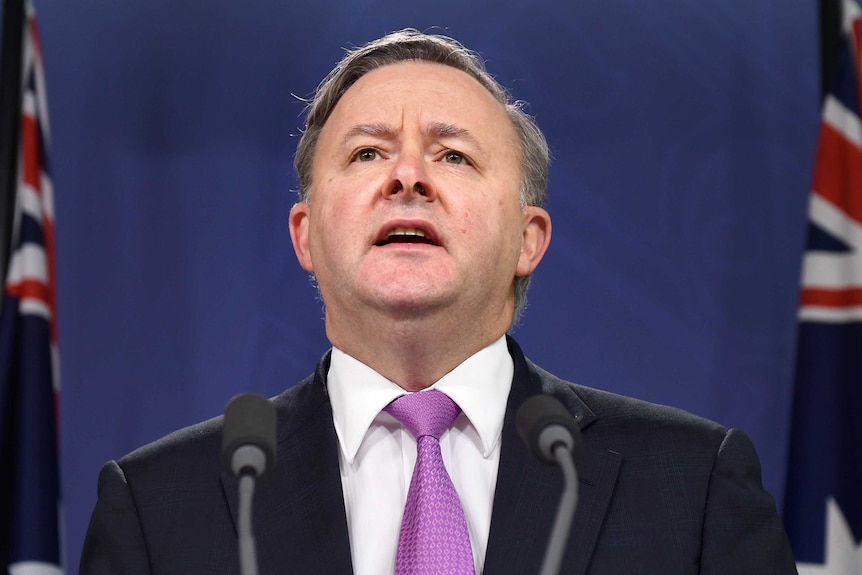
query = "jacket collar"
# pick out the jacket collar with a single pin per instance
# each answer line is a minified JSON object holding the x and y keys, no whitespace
{"x":528,"y":491}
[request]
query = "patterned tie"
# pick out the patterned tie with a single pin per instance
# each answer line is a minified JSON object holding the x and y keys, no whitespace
{"x":434,"y":538}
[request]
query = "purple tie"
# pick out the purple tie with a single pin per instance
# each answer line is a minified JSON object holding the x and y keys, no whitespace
{"x":434,"y":538}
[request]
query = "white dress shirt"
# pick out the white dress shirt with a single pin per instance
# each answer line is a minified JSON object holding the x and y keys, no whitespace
{"x":377,"y":454}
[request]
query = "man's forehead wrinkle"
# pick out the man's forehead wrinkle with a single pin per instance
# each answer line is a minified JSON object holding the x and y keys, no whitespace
{"x":435,"y":130}
{"x":376,"y":129}
{"x":445,"y":130}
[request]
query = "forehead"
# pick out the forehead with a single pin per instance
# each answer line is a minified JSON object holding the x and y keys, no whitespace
{"x":425,"y":92}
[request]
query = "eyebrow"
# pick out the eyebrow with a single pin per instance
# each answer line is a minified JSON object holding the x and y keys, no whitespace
{"x":383,"y":131}
{"x":443,"y":130}
{"x":434,"y":129}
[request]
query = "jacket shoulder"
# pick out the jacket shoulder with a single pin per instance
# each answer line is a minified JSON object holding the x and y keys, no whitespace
{"x":198,"y":446}
{"x":632,"y":426}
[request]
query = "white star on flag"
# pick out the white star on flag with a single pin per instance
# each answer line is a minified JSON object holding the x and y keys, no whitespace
{"x":843,"y":554}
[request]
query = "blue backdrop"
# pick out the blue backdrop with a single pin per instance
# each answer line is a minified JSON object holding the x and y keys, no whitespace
{"x":683,"y":135}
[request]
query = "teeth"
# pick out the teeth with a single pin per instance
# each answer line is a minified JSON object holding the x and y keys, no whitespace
{"x":406,"y":232}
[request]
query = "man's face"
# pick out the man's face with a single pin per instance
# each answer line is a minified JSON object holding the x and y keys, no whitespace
{"x":414,"y":205}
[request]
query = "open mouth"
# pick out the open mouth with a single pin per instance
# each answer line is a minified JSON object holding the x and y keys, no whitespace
{"x":402,"y":235}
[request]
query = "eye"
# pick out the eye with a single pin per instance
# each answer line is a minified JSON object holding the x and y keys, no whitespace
{"x":366,"y":155}
{"x":452,"y":157}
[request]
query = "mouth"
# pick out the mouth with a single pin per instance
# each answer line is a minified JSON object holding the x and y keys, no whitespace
{"x":406,"y":235}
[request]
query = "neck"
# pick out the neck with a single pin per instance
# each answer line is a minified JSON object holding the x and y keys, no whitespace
{"x":413,"y":353}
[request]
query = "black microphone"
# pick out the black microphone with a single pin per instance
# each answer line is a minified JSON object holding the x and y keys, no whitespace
{"x":553,"y":437}
{"x":248,"y":450}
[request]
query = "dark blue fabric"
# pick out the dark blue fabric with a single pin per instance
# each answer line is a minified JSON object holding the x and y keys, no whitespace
{"x":28,"y":439}
{"x":683,"y":140}
{"x":826,"y":444}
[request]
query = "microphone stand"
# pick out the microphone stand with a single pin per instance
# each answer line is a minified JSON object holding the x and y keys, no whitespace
{"x":247,"y":551}
{"x":248,"y":450}
{"x":565,"y":511}
{"x":552,"y":437}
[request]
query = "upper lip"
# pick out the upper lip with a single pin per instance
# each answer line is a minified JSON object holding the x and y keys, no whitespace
{"x":406,"y":227}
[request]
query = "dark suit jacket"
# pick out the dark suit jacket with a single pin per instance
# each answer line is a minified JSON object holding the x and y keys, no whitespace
{"x":661,"y":492}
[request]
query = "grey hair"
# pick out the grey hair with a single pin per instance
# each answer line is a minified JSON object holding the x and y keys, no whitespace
{"x":411,"y":45}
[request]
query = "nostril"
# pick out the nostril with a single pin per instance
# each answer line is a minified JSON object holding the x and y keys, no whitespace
{"x":398,"y":186}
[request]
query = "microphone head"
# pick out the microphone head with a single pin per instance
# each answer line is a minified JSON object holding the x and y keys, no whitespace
{"x":248,"y":436}
{"x":543,"y":423}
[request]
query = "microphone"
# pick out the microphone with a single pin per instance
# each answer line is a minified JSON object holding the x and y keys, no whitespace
{"x":553,"y":437}
{"x":248,"y":450}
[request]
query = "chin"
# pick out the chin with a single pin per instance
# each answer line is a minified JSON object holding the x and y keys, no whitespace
{"x":412,"y":305}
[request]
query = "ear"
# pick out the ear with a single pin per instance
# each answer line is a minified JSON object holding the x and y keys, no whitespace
{"x":299,"y":222}
{"x":535,"y":239}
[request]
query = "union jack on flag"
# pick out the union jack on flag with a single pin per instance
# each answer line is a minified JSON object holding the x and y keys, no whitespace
{"x":29,"y":384}
{"x":823,"y":504}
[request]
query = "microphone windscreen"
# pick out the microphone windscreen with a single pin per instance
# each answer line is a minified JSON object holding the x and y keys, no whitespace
{"x":539,"y":414}
{"x":249,"y":419}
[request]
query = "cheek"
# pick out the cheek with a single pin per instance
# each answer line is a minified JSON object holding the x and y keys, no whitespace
{"x":495,"y":221}
{"x":325,"y":233}
{"x":466,"y":224}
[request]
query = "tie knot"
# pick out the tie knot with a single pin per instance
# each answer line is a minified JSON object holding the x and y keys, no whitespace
{"x":424,"y":412}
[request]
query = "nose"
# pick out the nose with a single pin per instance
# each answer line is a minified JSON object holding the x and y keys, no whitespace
{"x":409,"y":179}
{"x":418,"y":188}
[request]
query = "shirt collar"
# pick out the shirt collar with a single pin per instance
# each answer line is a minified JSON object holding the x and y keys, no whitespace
{"x":479,"y":385}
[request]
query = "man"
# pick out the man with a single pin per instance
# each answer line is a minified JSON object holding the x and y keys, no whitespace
{"x":421,"y":185}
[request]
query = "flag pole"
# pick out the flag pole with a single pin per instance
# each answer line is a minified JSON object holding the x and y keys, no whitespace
{"x":11,"y":45}
{"x":10,"y":122}
{"x":830,"y":43}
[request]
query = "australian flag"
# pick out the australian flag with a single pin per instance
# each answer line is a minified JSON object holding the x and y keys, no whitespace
{"x":30,"y":513}
{"x":823,"y":506}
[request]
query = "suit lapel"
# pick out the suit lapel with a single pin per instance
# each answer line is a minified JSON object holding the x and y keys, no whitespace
{"x":299,"y":517}
{"x":527,"y":495}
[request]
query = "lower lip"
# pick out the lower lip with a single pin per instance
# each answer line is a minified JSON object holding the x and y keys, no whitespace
{"x":410,"y":247}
